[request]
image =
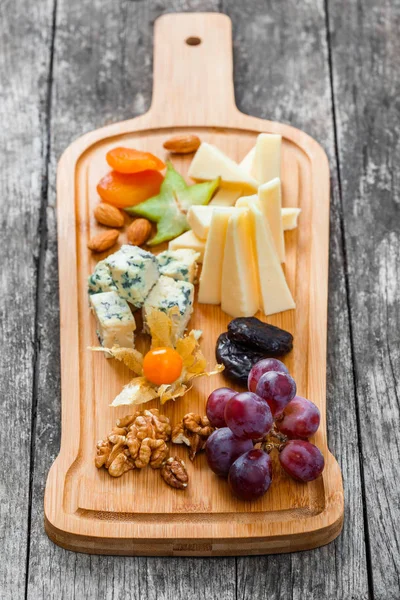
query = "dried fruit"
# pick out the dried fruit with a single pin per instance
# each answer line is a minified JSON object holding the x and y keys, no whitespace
{"x":128,"y":160}
{"x":124,"y":190}
{"x":103,"y":241}
{"x":139,"y":232}
{"x":109,"y":215}
{"x":259,"y":336}
{"x":237,"y":360}
{"x":170,"y":207}
{"x":182,"y":144}
{"x":174,"y":473}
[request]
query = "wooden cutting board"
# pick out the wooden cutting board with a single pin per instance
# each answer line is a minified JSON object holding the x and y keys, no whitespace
{"x":85,"y":509}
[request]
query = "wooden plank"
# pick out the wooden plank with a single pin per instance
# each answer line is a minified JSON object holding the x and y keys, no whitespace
{"x":366,"y":92}
{"x":24,"y":70}
{"x":282,"y":73}
{"x":92,"y":42}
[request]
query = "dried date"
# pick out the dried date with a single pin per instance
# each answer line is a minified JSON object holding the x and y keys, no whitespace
{"x":237,"y":359}
{"x":260,"y":337}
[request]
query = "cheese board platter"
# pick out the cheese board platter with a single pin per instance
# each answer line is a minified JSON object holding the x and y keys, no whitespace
{"x":244,"y":182}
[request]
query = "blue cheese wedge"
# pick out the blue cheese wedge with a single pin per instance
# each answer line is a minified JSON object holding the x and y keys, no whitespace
{"x":134,"y":272}
{"x":115,"y":321}
{"x":100,"y":280}
{"x":175,"y":299}
{"x":181,"y":265}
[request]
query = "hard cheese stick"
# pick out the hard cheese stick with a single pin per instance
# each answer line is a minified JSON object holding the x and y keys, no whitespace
{"x":269,"y":195}
{"x":239,"y":288}
{"x":211,"y":275}
{"x":274,"y":291}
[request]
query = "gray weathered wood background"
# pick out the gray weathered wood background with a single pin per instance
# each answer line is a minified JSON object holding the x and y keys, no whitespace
{"x":331,"y":68}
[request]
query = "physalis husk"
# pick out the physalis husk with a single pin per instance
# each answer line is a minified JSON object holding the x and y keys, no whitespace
{"x":139,"y":390}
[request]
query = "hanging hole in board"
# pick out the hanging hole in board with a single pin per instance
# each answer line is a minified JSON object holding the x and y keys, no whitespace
{"x":193,"y":41}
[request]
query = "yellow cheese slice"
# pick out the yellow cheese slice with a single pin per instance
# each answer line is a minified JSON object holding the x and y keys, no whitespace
{"x":211,"y":274}
{"x":269,"y":195}
{"x":289,"y":218}
{"x":225,"y":197}
{"x":239,"y":286}
{"x":274,"y":291}
{"x":267,"y":158}
{"x":209,"y":162}
{"x":188,"y":241}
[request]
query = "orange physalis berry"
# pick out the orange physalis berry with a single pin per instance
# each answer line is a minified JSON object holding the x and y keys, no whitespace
{"x":162,"y":365}
{"x":128,"y":160}
{"x":123,"y":191}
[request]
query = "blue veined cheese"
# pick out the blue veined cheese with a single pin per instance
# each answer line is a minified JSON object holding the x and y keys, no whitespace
{"x":181,"y":265}
{"x":115,"y":321}
{"x":100,"y":280}
{"x":175,"y":299}
{"x":134,"y":272}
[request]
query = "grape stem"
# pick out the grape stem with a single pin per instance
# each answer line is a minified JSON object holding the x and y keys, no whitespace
{"x":274,"y":439}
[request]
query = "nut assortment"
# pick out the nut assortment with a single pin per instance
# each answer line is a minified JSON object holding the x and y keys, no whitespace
{"x":140,"y":440}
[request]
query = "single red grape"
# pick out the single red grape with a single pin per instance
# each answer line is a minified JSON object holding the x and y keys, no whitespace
{"x":223,"y":448}
{"x":215,"y":406}
{"x":248,"y":416}
{"x":250,"y":475}
{"x":264,"y":366}
{"x":299,"y":420}
{"x":278,"y":389}
{"x":302,"y":460}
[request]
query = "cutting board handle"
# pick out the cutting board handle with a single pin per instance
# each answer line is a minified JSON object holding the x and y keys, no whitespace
{"x":193,"y":69}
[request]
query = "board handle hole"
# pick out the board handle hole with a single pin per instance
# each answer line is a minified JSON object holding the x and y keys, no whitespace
{"x":193,"y":40}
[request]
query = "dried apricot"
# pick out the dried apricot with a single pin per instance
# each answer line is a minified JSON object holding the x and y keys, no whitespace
{"x":123,"y":190}
{"x":128,"y":160}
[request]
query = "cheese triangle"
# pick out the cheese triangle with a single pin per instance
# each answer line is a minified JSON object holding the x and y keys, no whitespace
{"x":239,"y":286}
{"x":209,"y":162}
{"x":274,"y":291}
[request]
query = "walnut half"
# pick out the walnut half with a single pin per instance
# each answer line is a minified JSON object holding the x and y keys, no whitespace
{"x":193,"y":431}
{"x":174,"y":473}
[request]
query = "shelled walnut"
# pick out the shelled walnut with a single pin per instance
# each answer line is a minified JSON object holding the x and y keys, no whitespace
{"x":136,"y":441}
{"x":174,"y":473}
{"x":193,"y":431}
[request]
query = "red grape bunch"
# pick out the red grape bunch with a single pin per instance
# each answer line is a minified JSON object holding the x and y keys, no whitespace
{"x":269,"y":415}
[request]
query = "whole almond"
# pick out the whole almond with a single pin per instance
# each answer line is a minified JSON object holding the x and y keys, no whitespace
{"x":103,"y":241}
{"x":109,"y":215}
{"x":182,"y":144}
{"x":139,"y":232}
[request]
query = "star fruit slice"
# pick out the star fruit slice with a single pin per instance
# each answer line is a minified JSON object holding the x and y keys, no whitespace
{"x":170,"y":207}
